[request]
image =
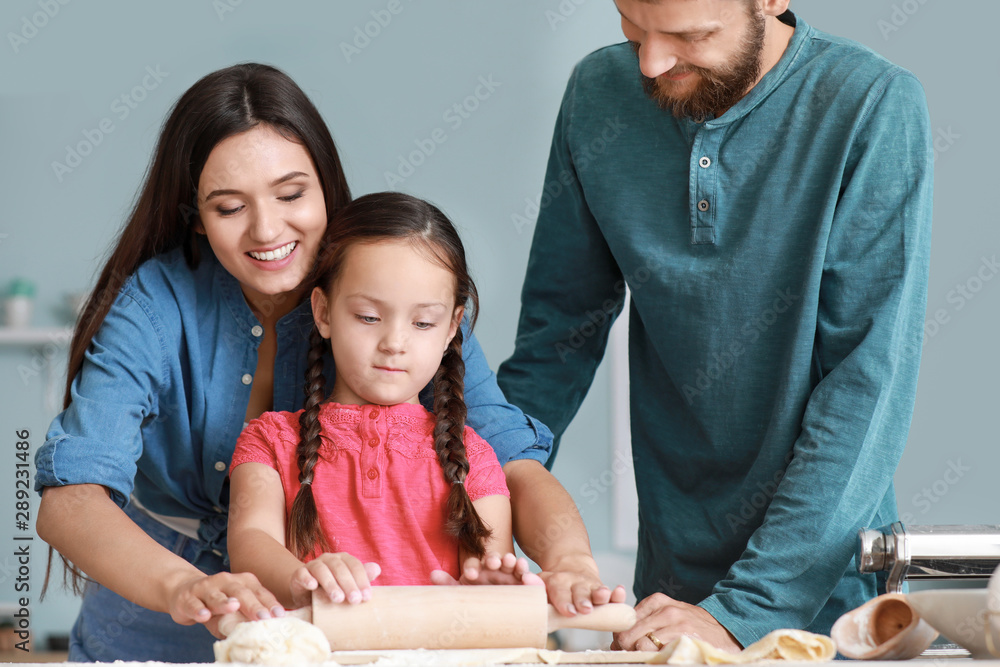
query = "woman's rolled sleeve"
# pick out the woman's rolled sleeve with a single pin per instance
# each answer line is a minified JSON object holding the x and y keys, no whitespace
{"x":97,"y":439}
{"x":512,"y":434}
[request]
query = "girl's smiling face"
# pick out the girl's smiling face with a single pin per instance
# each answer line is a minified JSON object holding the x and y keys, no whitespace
{"x":390,"y":315}
{"x":262,"y":208}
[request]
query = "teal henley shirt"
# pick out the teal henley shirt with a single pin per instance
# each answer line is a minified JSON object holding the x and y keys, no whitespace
{"x":777,"y":260}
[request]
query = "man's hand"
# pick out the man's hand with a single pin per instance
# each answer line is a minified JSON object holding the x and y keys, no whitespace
{"x":667,"y":619}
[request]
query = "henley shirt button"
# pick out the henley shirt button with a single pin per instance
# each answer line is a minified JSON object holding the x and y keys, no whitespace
{"x":373,"y":414}
{"x":247,"y":378}
{"x":373,"y":442}
{"x":704,"y":163}
{"x":257,"y":330}
{"x":703,"y":205}
{"x":372,"y":474}
{"x":220,"y":465}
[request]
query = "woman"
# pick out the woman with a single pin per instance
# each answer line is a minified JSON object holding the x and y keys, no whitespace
{"x":196,"y":325}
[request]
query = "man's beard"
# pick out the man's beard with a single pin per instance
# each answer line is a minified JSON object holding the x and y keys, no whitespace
{"x":718,"y":88}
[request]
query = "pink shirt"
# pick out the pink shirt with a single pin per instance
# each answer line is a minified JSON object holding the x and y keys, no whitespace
{"x":380,"y":492}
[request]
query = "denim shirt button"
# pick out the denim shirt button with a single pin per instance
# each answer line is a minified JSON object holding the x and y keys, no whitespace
{"x":220,"y":465}
{"x":257,"y":331}
{"x":703,"y":205}
{"x":247,"y":378}
{"x":704,"y":163}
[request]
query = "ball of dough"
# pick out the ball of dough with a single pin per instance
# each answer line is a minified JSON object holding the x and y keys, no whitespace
{"x":275,"y":641}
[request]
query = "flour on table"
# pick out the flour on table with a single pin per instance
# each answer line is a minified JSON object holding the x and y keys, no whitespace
{"x":275,"y":641}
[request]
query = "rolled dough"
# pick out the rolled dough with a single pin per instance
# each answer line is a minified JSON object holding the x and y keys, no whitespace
{"x":791,"y":645}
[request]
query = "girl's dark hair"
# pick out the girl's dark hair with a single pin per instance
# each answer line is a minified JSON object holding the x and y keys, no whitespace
{"x":218,"y":106}
{"x":369,"y":219}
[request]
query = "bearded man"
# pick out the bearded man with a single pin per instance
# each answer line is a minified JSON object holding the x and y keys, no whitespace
{"x":764,"y":191}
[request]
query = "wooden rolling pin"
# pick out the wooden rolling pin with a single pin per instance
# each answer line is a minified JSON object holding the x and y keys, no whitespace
{"x":443,"y":617}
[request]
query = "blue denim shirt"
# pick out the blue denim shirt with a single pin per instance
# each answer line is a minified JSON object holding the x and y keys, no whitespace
{"x":777,"y":258}
{"x":163,"y":392}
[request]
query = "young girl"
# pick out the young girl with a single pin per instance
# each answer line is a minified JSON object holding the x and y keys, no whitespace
{"x":365,"y":482}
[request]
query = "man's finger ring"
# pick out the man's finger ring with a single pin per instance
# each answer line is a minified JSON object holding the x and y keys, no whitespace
{"x":656,"y":642}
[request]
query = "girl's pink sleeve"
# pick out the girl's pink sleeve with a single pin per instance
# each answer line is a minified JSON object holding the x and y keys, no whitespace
{"x":485,"y":477}
{"x":255,"y":442}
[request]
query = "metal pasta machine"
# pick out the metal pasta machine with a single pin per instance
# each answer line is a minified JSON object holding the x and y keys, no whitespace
{"x":928,"y":552}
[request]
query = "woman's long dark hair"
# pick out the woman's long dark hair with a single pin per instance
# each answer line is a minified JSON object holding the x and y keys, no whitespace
{"x":220,"y":105}
{"x":368,"y":219}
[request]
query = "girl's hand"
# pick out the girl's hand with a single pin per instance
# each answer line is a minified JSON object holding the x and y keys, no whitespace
{"x":491,"y":569}
{"x":205,"y":599}
{"x":341,"y":576}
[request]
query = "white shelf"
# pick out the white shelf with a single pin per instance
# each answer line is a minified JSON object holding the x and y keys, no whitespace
{"x":35,"y":336}
{"x":48,"y":348}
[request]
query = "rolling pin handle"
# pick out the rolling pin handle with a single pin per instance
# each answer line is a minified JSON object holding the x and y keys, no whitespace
{"x":302,"y":613}
{"x":612,"y":617}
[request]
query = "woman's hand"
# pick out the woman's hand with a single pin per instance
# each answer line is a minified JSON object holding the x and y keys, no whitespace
{"x":206,"y":598}
{"x":490,"y":569}
{"x":550,"y":531}
{"x":574,"y":586}
{"x":340,"y":575}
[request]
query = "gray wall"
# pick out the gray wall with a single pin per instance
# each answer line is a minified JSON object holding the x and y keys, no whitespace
{"x":62,"y":81}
